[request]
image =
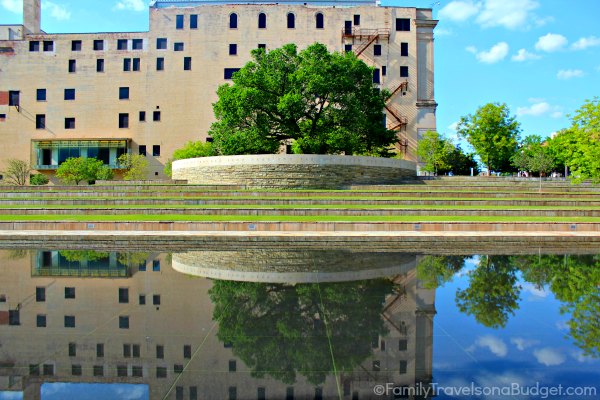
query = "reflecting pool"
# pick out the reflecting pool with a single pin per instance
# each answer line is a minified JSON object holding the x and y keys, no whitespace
{"x":275,"y":323}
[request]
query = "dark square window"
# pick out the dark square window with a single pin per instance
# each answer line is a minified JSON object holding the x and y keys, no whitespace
{"x":135,"y":350}
{"x":402,"y":345}
{"x":98,"y":45}
{"x":377,"y":50}
{"x":72,"y":66}
{"x":261,"y":393}
{"x":233,"y":21}
{"x":48,"y":369}
{"x":318,"y":393}
{"x":193,"y":21}
{"x":161,"y":43}
{"x":126,"y":350}
{"x":121,"y":370}
{"x":161,"y":372}
{"x":403,"y":366}
{"x":34,"y":45}
{"x":69,"y":123}
{"x":179,"y":20}
{"x":137,"y":371}
{"x":48,"y":45}
{"x":14,"y":98}
{"x":178,"y":46}
{"x":179,"y":393}
{"x":98,"y":370}
{"x":122,"y":44}
{"x":232,"y":393}
{"x":123,"y":93}
{"x":142,"y":116}
{"x":160,"y":351}
{"x":403,"y":24}
{"x":76,"y":45}
{"x":34,"y":369}
{"x":124,"y":322}
{"x":232,"y":366}
{"x":404,"y":72}
{"x":232,"y":49}
{"x":69,"y":321}
{"x":127,"y":64}
{"x":156,"y":153}
{"x":40,"y":121}
{"x":347,"y":48}
{"x":383,"y":70}
{"x":76,"y":370}
{"x":69,"y":293}
{"x":142,"y":299}
{"x":137,"y":44}
{"x":193,"y":393}
{"x":156,"y":116}
{"x":100,"y":350}
{"x":156,"y":299}
{"x":69,"y":94}
{"x":291,"y":21}
{"x":262,"y":21}
{"x":2,"y":117}
{"x":262,"y":46}
{"x":136,"y":64}
{"x":142,"y":150}
{"x":228,"y":72}
{"x":289,"y":393}
{"x":41,"y":321}
{"x":72,"y":349}
{"x":187,"y":63}
{"x":178,"y":368}
{"x":357,"y":19}
{"x":14,"y":317}
{"x":123,"y":295}
{"x":100,"y":65}
{"x":187,"y":351}
{"x":160,"y":64}
{"x":404,"y":49}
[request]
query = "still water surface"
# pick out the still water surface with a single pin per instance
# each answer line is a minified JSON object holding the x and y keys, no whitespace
{"x":276,"y":324}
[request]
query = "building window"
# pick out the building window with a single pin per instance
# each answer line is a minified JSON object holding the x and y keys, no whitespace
{"x":122,"y":44}
{"x":34,"y":370}
{"x":123,"y":120}
{"x":123,"y":322}
{"x":161,"y":372}
{"x":376,"y":78}
{"x":161,"y":43}
{"x":126,"y":350}
{"x":69,"y":293}
{"x":142,"y":150}
{"x":48,"y":45}
{"x":76,"y":45}
{"x":40,"y":121}
{"x":69,"y":123}
{"x":127,"y":64}
{"x":14,"y":98}
{"x":178,"y":46}
{"x":2,"y":118}
{"x":403,"y":24}
{"x":34,"y":45}
{"x":318,"y":393}
{"x":232,"y":393}
{"x":136,"y":64}
{"x":178,"y":368}
{"x":72,"y":349}
{"x":72,"y":66}
{"x":403,"y":345}
{"x":69,"y":94}
{"x":262,"y":21}
{"x":123,"y":295}
{"x":98,"y":370}
{"x":142,"y":298}
{"x":193,"y":21}
{"x":291,"y":21}
{"x":233,"y":21}
{"x":48,"y":369}
{"x":187,"y":351}
{"x":100,"y":350}
{"x":160,"y":64}
{"x":121,"y":370}
{"x":193,"y":393}
{"x":137,"y":371}
{"x":156,"y":153}
{"x":156,"y":116}
{"x":404,"y":72}
{"x":100,"y":65}
{"x":187,"y":63}
{"x":179,"y":393}
{"x":98,"y":45}
{"x":403,"y":366}
{"x":383,"y":70}
{"x":228,"y":72}
{"x":356,"y":19}
{"x":123,"y":93}
{"x":76,"y":370}
{"x":377,"y":50}
{"x":14,"y":317}
{"x":179,"y":21}
{"x":135,"y":350}
{"x":137,"y":44}
{"x":142,"y":116}
{"x":69,"y":321}
{"x":404,"y":49}
{"x":319,"y":21}
{"x":347,"y":48}
{"x":41,"y":321}
{"x":156,"y":299}
{"x":261,"y":393}
{"x":40,"y":294}
{"x":160,"y":351}
{"x":262,"y":46}
{"x":232,"y":366}
{"x":232,"y":49}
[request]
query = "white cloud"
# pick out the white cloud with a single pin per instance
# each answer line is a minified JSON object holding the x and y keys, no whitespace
{"x":57,"y":11}
{"x":15,"y":6}
{"x":524,"y":55}
{"x":511,"y":14}
{"x":549,"y":356}
{"x":582,"y":358}
{"x":585,"y":42}
{"x":452,"y":127}
{"x":539,"y":108}
{"x":498,"y":52}
{"x":135,"y":5}
{"x":562,"y":325}
{"x":551,"y":42}
{"x":523,"y":344}
{"x":569,"y":73}
{"x":443,"y":32}
{"x":492,"y":343}
{"x":459,"y":10}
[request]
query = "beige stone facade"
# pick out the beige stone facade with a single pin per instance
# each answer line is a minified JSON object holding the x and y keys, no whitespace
{"x":120,"y":100}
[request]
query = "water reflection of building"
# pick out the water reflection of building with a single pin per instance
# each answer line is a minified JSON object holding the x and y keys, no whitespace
{"x":152,"y":325}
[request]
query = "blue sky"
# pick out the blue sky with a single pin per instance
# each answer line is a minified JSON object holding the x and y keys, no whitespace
{"x":541,"y":57}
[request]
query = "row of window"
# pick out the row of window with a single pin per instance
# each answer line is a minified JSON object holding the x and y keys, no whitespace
{"x":69,"y":321}
{"x":132,"y":350}
{"x":40,"y":120}
{"x":98,"y":45}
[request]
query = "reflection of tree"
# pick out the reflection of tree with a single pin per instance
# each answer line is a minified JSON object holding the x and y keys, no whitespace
{"x":280,"y":330}
{"x":83,"y":255}
{"x":435,"y":271}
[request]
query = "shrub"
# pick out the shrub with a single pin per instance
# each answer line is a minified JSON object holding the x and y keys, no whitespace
{"x":38,"y":180}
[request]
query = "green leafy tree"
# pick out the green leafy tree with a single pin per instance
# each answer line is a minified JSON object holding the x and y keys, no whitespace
{"x":578,"y":147}
{"x":17,"y":172}
{"x":534,"y":156}
{"x":435,"y":271}
{"x":284,"y":330}
{"x":493,"y":133}
{"x":191,"y":150}
{"x":75,"y":170}
{"x":135,"y":166}
{"x":324,"y":103}
{"x":38,"y":180}
{"x":434,"y":152}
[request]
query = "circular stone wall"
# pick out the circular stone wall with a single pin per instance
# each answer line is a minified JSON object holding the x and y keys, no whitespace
{"x":293,"y":171}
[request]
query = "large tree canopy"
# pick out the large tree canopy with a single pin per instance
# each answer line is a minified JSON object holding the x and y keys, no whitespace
{"x":325,"y":103}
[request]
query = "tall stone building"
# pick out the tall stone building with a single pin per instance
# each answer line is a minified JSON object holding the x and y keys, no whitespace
{"x":103,"y":94}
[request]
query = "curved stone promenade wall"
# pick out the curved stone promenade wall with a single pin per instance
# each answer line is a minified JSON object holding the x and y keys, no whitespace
{"x":293,"y":170}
